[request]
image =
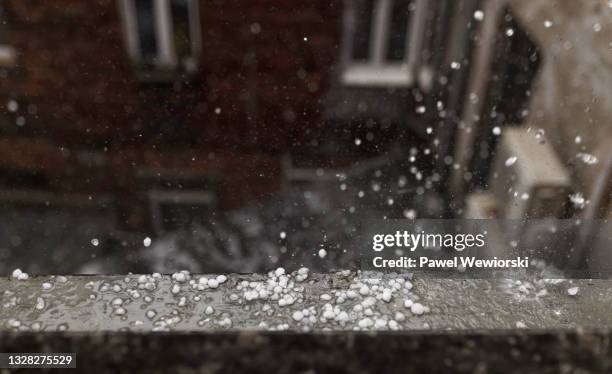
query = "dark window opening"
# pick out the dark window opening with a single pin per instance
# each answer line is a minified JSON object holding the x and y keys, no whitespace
{"x":362,"y":29}
{"x":181,"y":27}
{"x":398,"y":30}
{"x":147,"y":38}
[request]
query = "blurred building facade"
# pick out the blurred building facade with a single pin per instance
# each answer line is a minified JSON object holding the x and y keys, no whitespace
{"x":137,"y":99}
{"x":147,"y":106}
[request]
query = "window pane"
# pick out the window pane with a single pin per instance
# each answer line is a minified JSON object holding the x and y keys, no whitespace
{"x":398,"y":29}
{"x":145,"y":19}
{"x":362,"y":29}
{"x":180,"y":23}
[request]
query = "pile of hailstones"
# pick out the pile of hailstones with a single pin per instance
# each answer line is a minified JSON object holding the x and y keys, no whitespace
{"x":358,"y":306}
{"x":364,"y":304}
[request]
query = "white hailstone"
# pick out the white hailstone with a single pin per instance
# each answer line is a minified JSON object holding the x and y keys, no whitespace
{"x":286,"y":300}
{"x":182,"y":301}
{"x":342,"y":317}
{"x":386,"y":295}
{"x":455,"y":65}
{"x":587,"y":158}
{"x":213,"y":283}
{"x":417,"y":309}
{"x":283,"y":235}
{"x":364,"y":290}
{"x":393,"y":325}
{"x":176,"y":289}
{"x":234,"y":297}
{"x":578,"y":139}
{"x":116,"y":301}
{"x":496,"y":131}
{"x":40,"y":303}
{"x":209,"y":310}
{"x":302,"y":274}
{"x":221,"y":279}
{"x":13,"y":322}
{"x":357,"y":141}
{"x":20,"y":275}
{"x":12,"y":106}
{"x":509,"y":32}
{"x":524,"y":196}
{"x":151,"y":313}
{"x":120,"y":311}
{"x":251,"y":295}
{"x":225,"y":322}
{"x":62,"y":327}
{"x":280,"y":271}
{"x":95,"y":242}
{"x":328,"y":313}
{"x":511,"y":161}
{"x":578,"y":200}
{"x":421,"y":109}
{"x":399,"y":316}
{"x":597,"y":27}
{"x":573,"y":291}
{"x":322,"y":253}
{"x":365,"y":323}
{"x":146,"y":241}
{"x":380,"y":323}
{"x":180,"y":277}
{"x":409,"y":213}
{"x":479,"y":15}
{"x":351,"y":294}
{"x":297,"y":315}
{"x":547,"y":24}
{"x":47,"y":286}
{"x":326,"y":297}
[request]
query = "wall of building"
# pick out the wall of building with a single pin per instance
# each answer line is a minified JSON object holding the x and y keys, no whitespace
{"x":572,"y":95}
{"x":87,"y":124}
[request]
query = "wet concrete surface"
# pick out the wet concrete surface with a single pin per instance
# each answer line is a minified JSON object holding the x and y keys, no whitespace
{"x":89,"y":303}
{"x":524,"y":325}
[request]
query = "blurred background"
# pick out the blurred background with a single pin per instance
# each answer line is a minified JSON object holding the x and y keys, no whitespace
{"x":226,"y":135}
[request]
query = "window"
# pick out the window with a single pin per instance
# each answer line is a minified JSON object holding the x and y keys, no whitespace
{"x":382,"y":40}
{"x":162,"y":33}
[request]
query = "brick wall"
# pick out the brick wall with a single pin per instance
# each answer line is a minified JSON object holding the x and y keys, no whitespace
{"x":90,"y":124}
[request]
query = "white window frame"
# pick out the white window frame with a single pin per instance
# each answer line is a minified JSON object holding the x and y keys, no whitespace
{"x":7,"y":53}
{"x":166,"y":53}
{"x":376,"y":71}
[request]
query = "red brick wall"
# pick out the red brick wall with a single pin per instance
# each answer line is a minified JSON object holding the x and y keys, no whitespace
{"x":76,"y":91}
